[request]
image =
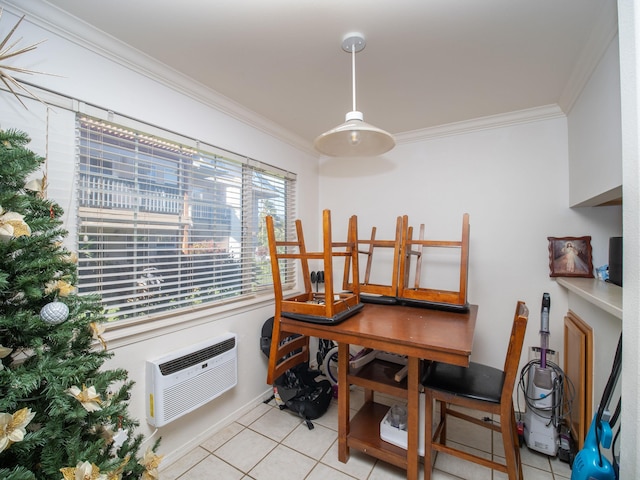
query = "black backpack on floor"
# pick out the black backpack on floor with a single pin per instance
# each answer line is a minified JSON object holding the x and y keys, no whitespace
{"x":298,"y":389}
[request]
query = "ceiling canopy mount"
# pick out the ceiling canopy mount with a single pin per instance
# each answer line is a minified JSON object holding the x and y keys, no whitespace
{"x":353,"y":43}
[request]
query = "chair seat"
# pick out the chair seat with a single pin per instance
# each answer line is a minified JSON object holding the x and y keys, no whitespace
{"x":477,"y":381}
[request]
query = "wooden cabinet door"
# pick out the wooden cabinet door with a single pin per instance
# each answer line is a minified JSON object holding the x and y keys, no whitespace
{"x":578,"y":368}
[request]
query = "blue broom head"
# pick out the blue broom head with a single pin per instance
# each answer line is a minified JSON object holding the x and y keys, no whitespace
{"x":589,"y":464}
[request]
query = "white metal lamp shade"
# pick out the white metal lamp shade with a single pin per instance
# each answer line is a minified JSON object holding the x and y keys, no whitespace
{"x":355,"y":137}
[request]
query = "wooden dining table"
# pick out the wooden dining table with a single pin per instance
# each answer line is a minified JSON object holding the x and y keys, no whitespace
{"x":417,"y":333}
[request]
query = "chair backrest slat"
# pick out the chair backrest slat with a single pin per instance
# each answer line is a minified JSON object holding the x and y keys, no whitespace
{"x":514,"y":351}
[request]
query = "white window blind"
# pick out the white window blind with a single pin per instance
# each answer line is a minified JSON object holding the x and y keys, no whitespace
{"x":164,"y":224}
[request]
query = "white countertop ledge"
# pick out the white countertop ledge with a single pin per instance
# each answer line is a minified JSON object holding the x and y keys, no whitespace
{"x":604,"y":295}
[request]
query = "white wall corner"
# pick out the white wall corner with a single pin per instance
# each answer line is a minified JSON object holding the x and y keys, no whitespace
{"x":605,"y":31}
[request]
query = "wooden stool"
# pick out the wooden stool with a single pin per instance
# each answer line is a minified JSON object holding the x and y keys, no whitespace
{"x":388,"y":290}
{"x":323,"y":307}
{"x":414,"y":293}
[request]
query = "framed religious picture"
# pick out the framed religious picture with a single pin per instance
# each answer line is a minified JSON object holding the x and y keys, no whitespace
{"x":570,"y":257}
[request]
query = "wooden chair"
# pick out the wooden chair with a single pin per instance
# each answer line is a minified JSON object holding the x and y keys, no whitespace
{"x":310,"y":305}
{"x":367,"y":247}
{"x":413,"y":249}
{"x":477,"y":387}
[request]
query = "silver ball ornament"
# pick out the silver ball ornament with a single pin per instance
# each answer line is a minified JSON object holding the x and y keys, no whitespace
{"x":54,"y":313}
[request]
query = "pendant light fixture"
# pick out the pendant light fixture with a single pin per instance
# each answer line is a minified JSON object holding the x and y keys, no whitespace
{"x":354,"y":138}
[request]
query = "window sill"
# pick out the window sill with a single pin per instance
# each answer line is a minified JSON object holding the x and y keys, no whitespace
{"x":603,"y":295}
{"x":125,"y":332}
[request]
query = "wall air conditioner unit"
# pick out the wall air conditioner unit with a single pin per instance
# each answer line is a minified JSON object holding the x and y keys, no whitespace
{"x":181,"y":381}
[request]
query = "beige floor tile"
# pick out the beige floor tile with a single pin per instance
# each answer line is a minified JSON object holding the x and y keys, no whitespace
{"x":468,"y":434}
{"x":359,"y":465}
{"x":220,"y":438}
{"x":268,"y":443}
{"x":386,"y":471}
{"x":276,"y":424}
{"x":212,"y":467}
{"x":439,"y":475}
{"x":245,"y":450}
{"x":312,"y":443}
{"x":534,"y":459}
{"x":323,"y":472}
{"x":284,"y":464}
{"x":560,"y":469}
{"x":531,"y":473}
{"x":463,"y":469}
{"x":183,"y":464}
{"x":251,"y":416}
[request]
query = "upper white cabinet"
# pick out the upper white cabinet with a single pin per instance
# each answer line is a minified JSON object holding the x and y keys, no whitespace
{"x":595,"y":143}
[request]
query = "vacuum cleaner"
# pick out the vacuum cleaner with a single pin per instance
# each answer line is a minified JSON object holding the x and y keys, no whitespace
{"x":543,"y":394}
{"x":590,"y":463}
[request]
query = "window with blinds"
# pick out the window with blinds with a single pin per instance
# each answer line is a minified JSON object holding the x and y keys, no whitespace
{"x":163,"y":225}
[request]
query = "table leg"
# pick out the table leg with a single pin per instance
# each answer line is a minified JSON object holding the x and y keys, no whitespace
{"x":343,"y":402}
{"x":413,"y":417}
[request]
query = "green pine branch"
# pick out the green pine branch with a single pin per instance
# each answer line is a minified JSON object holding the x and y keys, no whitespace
{"x":47,"y":360}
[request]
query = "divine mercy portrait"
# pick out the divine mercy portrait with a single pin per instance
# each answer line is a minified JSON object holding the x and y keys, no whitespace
{"x":570,"y":257}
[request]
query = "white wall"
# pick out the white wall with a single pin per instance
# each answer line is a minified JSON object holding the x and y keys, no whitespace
{"x":95,"y":79}
{"x":629,"y":26}
{"x":513,"y":181}
{"x":595,"y":146}
{"x":595,"y":165}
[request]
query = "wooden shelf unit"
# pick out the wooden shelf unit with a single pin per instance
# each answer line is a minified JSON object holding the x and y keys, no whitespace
{"x":364,"y":428}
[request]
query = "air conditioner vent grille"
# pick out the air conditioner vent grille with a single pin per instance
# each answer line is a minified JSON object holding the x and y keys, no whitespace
{"x":173,"y":366}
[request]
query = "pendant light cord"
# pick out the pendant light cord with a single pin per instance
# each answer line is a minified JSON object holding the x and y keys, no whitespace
{"x":353,"y":73}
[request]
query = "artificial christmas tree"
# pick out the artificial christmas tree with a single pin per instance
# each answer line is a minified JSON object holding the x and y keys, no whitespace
{"x":61,"y":414}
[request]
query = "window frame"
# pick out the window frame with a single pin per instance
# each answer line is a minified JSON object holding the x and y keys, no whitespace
{"x":249,"y":167}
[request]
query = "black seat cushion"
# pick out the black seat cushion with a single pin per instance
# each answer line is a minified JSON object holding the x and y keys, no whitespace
{"x":447,"y":307}
{"x":337,"y":318}
{"x":479,"y":382}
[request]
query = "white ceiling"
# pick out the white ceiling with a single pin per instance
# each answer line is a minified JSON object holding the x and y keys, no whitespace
{"x":426,"y":63}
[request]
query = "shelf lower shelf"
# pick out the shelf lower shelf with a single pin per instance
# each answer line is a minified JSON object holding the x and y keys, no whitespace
{"x":364,"y":435}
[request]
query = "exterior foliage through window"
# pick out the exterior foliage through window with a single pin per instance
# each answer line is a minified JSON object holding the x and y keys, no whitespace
{"x":164,"y":226}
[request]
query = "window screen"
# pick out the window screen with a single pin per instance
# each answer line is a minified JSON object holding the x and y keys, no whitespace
{"x":165,"y":226}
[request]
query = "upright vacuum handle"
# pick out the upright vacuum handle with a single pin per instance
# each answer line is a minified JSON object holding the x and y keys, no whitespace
{"x":544,"y":313}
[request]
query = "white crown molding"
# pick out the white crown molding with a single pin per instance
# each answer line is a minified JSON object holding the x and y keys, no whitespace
{"x":66,"y":26}
{"x":601,"y":37}
{"x":59,"y":22}
{"x":483,"y":123}
{"x":593,"y":50}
